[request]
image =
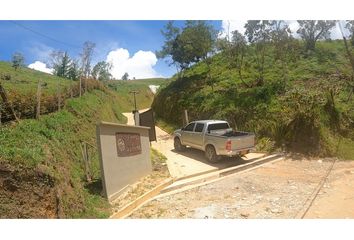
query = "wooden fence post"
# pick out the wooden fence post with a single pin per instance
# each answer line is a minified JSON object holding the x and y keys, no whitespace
{"x":6,"y":101}
{"x":85,"y":157}
{"x":38,"y":112}
{"x":80,"y":84}
{"x":0,"y":112}
{"x":59,"y":97}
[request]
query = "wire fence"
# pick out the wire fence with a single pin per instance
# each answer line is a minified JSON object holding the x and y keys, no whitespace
{"x":15,"y":105}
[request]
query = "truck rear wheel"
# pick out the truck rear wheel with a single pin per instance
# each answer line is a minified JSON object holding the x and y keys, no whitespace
{"x":178,"y":145}
{"x":211,"y":155}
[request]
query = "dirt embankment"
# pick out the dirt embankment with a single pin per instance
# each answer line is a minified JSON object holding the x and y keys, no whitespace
{"x":26,"y":193}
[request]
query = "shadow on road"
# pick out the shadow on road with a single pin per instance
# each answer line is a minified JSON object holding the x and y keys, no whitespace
{"x":225,"y":162}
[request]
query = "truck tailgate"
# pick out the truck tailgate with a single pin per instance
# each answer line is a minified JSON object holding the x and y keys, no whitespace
{"x":242,"y":142}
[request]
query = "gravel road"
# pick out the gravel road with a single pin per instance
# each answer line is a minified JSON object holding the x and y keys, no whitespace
{"x":276,"y":190}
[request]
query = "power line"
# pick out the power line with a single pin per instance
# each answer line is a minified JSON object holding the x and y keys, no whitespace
{"x":43,"y":35}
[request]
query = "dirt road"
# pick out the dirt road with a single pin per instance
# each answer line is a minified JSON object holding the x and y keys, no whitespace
{"x":191,"y":161}
{"x":277,"y":190}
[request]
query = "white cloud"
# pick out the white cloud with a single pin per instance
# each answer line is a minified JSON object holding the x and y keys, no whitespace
{"x":140,"y":65}
{"x":231,"y":25}
{"x":40,"y":66}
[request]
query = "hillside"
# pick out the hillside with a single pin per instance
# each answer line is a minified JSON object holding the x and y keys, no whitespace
{"x":143,"y":98}
{"x":41,"y":168}
{"x":25,"y":80}
{"x":304,"y":104}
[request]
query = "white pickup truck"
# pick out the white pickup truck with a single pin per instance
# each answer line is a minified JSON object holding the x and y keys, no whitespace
{"x":215,"y":137}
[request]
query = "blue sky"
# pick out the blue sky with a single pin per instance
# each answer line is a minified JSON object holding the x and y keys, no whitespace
{"x":119,"y":38}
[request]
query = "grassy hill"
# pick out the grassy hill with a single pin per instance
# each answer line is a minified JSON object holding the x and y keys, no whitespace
{"x":41,"y":167}
{"x":303,"y":105}
{"x":25,"y":80}
{"x":143,"y":99}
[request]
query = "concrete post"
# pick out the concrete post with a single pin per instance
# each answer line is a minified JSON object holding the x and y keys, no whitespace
{"x":136,"y":117}
{"x":186,"y":117}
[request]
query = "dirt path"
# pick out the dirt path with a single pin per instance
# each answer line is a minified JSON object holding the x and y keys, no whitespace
{"x":276,"y":190}
{"x":189,"y":162}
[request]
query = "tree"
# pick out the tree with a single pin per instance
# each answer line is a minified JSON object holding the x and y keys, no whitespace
{"x":313,"y":30}
{"x":280,"y":35}
{"x":17,"y":60}
{"x":258,"y":34}
{"x":86,"y":58}
{"x":60,"y":62}
{"x":234,"y":48}
{"x":350,"y":26}
{"x":101,"y":71}
{"x":74,"y":70}
{"x":192,"y":43}
{"x":125,"y":76}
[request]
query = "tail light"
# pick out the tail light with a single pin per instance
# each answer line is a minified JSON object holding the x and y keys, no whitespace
{"x":228,"y":145}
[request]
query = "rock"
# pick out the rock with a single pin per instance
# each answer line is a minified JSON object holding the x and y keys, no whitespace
{"x":319,"y":161}
{"x":276,"y":210}
{"x":245,"y":214}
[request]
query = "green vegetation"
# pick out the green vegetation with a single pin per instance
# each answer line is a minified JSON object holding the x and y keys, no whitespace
{"x":52,"y":144}
{"x":25,"y":80}
{"x":45,"y":157}
{"x":295,"y":99}
{"x":143,"y":99}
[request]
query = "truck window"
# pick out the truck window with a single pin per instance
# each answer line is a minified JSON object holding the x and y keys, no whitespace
{"x":189,"y":127}
{"x":218,"y":126}
{"x":199,"y":127}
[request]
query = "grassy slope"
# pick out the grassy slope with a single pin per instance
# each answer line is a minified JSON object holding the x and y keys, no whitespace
{"x":25,"y":79}
{"x":40,"y":160}
{"x":143,"y":99}
{"x":291,"y":108}
{"x":51,"y":146}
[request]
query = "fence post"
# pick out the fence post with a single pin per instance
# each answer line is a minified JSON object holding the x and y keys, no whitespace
{"x":6,"y":101}
{"x":80,"y":85}
{"x":185,"y":117}
{"x":58,"y":94}
{"x":86,"y":161}
{"x":38,"y":112}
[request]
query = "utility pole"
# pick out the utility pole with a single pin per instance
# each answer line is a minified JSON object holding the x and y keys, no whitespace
{"x":135,"y":111}
{"x":134,"y":92}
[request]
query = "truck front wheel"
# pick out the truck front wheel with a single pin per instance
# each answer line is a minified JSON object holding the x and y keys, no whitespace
{"x":178,"y":145}
{"x":210,"y":154}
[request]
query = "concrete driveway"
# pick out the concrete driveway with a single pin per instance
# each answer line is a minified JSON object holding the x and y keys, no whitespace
{"x":191,"y":161}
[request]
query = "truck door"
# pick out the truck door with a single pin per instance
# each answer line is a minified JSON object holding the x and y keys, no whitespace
{"x":197,"y":136}
{"x":187,"y":133}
